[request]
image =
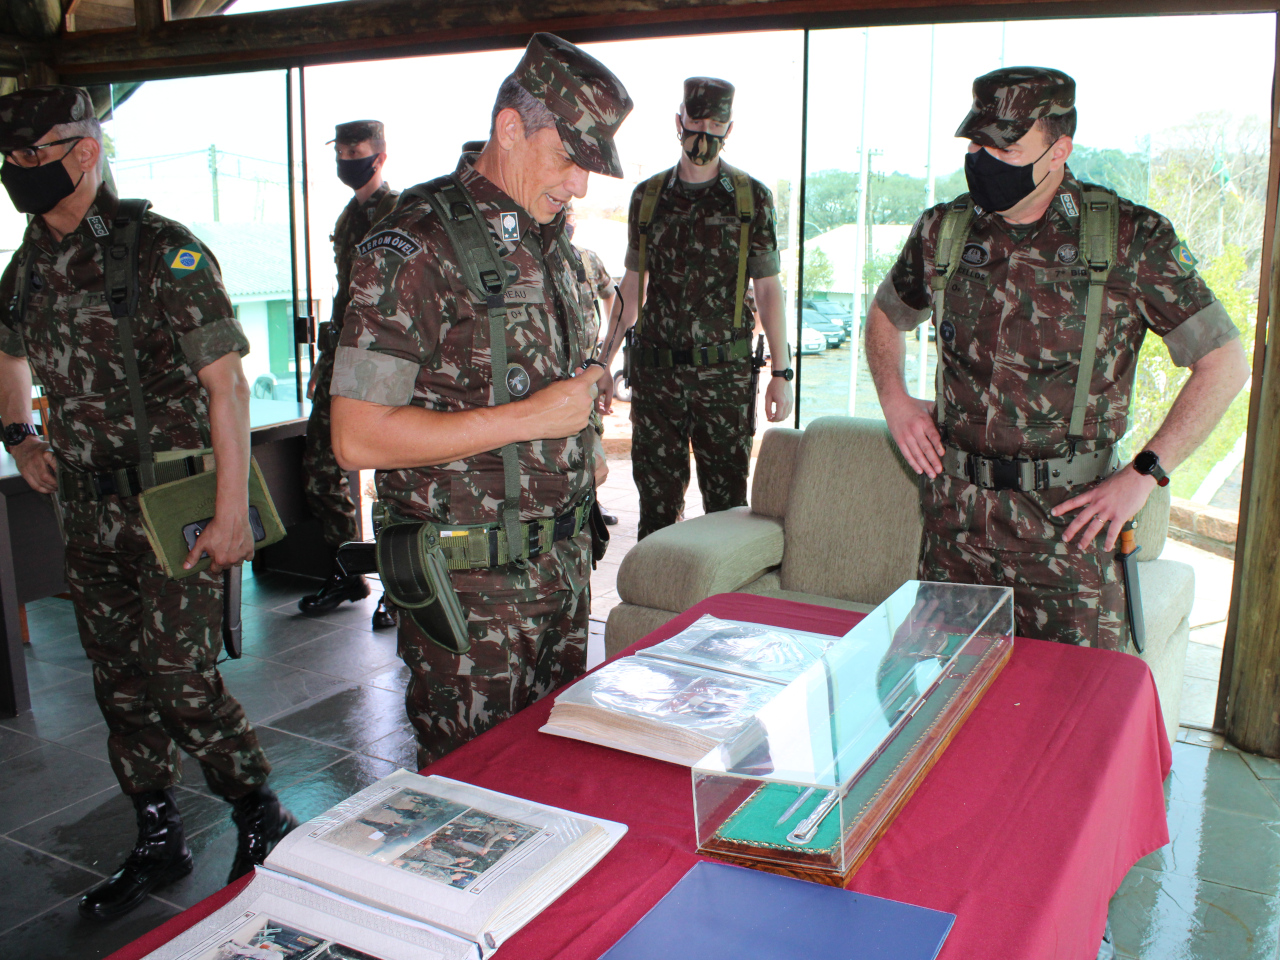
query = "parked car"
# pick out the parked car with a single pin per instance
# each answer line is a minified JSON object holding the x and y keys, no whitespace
{"x":812,"y":341}
{"x":835,"y":312}
{"x":814,"y":320}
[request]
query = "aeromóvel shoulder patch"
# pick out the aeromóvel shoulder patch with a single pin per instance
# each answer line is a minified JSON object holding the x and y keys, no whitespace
{"x":393,"y":241}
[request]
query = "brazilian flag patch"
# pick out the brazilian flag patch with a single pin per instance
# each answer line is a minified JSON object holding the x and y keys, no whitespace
{"x":1184,"y":257}
{"x":187,"y":261}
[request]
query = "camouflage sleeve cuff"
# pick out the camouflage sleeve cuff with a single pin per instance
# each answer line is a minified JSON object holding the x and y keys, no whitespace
{"x":764,"y":265}
{"x":900,"y":314}
{"x":11,"y":342}
{"x":213,"y":341}
{"x":632,"y":259}
{"x":1200,"y":334}
{"x":373,"y":377}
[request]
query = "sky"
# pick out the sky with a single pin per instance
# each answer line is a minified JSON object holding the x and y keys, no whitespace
{"x":1136,"y":77}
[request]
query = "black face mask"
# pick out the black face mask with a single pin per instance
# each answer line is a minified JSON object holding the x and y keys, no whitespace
{"x":699,"y":146}
{"x":356,"y":173}
{"x":996,"y":185}
{"x":37,"y":190}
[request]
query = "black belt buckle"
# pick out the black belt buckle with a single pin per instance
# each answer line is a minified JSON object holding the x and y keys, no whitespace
{"x":563,"y":527}
{"x":992,"y":474}
{"x":104,"y":484}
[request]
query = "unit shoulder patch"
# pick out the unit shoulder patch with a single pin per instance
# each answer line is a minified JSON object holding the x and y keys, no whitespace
{"x":393,"y":241}
{"x":187,"y":260}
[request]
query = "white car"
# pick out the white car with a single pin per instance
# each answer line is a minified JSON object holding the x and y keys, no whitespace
{"x":812,"y":341}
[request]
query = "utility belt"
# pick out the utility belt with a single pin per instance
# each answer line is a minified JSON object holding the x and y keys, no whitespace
{"x":1027,"y":475}
{"x":124,"y":481}
{"x":645,"y":355}
{"x":414,"y":558}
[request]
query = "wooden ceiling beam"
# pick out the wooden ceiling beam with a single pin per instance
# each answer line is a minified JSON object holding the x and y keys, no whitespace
{"x":363,"y":29}
{"x":18,"y":54}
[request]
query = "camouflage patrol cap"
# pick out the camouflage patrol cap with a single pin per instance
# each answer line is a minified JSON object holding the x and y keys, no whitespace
{"x":1007,"y":103}
{"x":358,"y":131}
{"x":588,"y":101}
{"x":706,"y":98}
{"x":27,"y":115}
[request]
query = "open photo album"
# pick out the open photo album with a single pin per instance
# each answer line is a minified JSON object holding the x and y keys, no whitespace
{"x":410,"y":868}
{"x":678,"y":699}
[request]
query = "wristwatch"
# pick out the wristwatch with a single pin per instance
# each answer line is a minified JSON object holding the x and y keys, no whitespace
{"x":787,"y":374}
{"x":15,"y":433}
{"x":1147,"y":463}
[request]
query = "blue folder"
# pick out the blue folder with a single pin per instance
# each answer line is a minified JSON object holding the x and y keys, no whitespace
{"x":719,"y":912}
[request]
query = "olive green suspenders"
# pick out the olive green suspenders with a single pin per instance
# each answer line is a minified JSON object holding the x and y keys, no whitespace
{"x":1099,"y":237}
{"x":732,"y":179}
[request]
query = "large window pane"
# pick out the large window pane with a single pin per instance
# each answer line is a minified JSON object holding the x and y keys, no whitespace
{"x":210,"y":152}
{"x":765,"y":68}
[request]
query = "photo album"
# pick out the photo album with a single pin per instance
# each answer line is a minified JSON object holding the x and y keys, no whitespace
{"x":679,"y":699}
{"x":410,"y":868}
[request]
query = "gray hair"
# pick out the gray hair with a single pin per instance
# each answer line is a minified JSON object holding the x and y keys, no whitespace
{"x":533,"y":113}
{"x":89,"y":127}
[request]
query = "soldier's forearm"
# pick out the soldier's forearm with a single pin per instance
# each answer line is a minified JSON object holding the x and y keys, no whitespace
{"x":15,"y":390}
{"x":229,"y":431}
{"x":1215,"y":380}
{"x":621,"y":317}
{"x":886,"y":348}
{"x":768,"y":291}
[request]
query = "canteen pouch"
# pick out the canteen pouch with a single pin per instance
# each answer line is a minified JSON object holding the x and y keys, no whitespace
{"x":599,"y":533}
{"x":415,"y":576}
{"x":628,"y":344}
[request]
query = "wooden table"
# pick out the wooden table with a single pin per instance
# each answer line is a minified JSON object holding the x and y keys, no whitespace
{"x":29,"y":530}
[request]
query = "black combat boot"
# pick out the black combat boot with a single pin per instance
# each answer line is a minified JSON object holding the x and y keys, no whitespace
{"x":336,"y":589}
{"x":610,"y":519}
{"x":159,"y":857}
{"x":262,"y":822}
{"x":384,"y":615}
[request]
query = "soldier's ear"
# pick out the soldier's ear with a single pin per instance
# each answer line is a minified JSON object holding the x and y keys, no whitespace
{"x":1061,"y":150}
{"x":86,"y":153}
{"x":508,"y":128}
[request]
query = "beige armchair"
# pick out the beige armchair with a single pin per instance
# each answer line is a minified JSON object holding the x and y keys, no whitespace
{"x":835,"y":520}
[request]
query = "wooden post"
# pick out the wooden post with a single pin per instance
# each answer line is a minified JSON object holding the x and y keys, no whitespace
{"x":150,"y":14}
{"x":1249,"y":695}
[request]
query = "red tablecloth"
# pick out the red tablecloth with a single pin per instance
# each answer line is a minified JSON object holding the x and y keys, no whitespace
{"x":1023,"y":829}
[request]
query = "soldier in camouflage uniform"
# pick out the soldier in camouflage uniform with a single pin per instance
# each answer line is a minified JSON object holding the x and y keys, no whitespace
{"x":415,"y":394}
{"x":691,"y":372}
{"x":153,"y":641}
{"x":1004,"y":475}
{"x":361,"y":149}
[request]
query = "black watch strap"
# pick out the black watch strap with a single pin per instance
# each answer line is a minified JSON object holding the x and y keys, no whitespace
{"x":15,"y":433}
{"x":787,"y":374}
{"x":1147,"y":463}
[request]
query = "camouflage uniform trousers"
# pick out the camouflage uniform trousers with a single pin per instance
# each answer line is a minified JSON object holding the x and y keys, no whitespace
{"x":525,"y":643}
{"x":674,"y":407}
{"x":327,"y":489}
{"x":1075,"y":597}
{"x":154,"y":642}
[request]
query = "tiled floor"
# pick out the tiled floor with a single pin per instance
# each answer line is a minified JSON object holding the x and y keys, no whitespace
{"x":325,"y":695}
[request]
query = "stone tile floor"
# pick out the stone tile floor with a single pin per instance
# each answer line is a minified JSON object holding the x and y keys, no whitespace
{"x":325,"y":696}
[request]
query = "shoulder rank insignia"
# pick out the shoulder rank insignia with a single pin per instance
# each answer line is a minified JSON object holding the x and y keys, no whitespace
{"x":1183,"y":256}
{"x":510,"y":227}
{"x":187,"y":261}
{"x":97,"y":226}
{"x":393,"y":241}
{"x":1069,"y":205}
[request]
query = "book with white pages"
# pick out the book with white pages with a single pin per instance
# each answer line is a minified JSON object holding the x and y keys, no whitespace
{"x":410,"y":868}
{"x":755,"y":650}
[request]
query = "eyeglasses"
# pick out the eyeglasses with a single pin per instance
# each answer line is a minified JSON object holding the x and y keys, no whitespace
{"x":30,"y":156}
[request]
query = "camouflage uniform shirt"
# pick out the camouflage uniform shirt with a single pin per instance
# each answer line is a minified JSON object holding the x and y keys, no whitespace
{"x":184,"y":322}
{"x":1011,"y":338}
{"x":353,"y":223}
{"x":598,"y":288}
{"x":692,"y":259}
{"x":414,"y":334}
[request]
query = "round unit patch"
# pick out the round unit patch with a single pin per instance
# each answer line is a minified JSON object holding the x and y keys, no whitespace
{"x":975,"y":254}
{"x":517,"y":380}
{"x":947,"y":331}
{"x":1068,"y":253}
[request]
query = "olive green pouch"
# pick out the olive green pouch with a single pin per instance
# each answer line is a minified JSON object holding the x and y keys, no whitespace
{"x":415,"y":576}
{"x":170,"y":508}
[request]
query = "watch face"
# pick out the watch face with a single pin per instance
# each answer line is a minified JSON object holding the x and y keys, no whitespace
{"x":1145,"y":462}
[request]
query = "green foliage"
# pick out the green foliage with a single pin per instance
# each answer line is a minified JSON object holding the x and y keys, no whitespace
{"x":830,"y":200}
{"x":782,"y":210}
{"x":1125,"y":173}
{"x":818,"y":271}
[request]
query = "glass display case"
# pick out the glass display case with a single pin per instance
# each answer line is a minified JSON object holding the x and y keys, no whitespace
{"x":816,"y":777}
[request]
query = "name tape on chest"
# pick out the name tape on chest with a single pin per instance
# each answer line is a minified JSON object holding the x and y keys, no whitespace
{"x":392,"y":241}
{"x":723,"y":222}
{"x":524,"y":295}
{"x":1061,"y":274}
{"x":186,"y":261}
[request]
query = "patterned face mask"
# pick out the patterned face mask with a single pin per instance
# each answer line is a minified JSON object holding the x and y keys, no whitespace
{"x":699,"y":146}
